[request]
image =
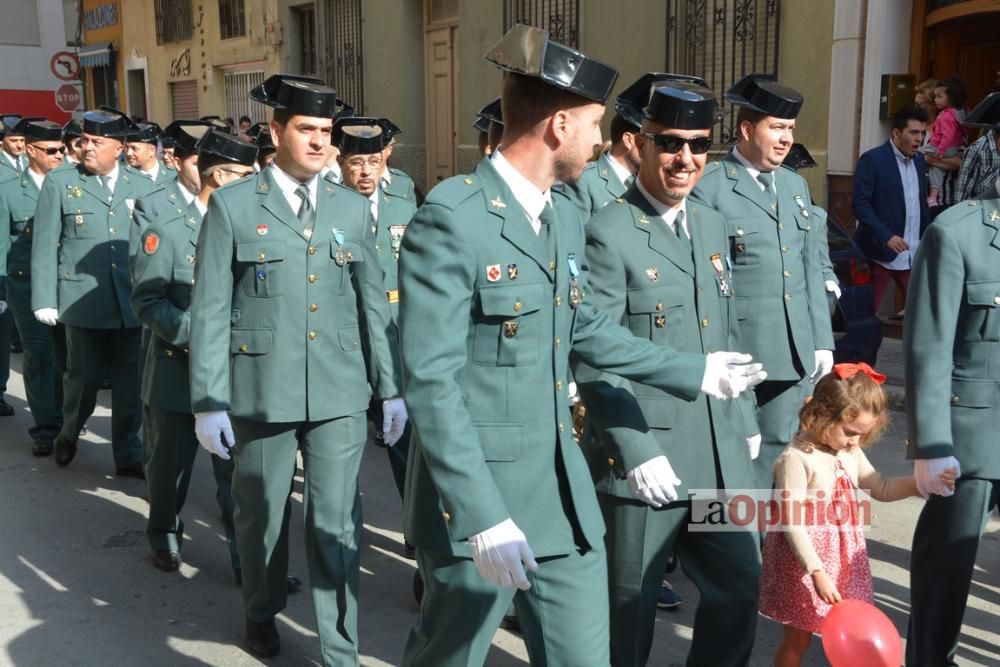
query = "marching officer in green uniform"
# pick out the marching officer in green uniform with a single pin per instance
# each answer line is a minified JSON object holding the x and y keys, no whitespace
{"x":489,"y":122}
{"x":492,"y":278}
{"x":161,"y":297}
{"x":72,"y":133}
{"x":289,"y":327}
{"x":171,"y":197}
{"x":361,"y":141}
{"x":12,"y":142}
{"x":140,"y":154}
{"x":775,"y":249}
{"x":951,"y":350}
{"x":80,"y":277}
{"x":393,"y":181}
{"x":18,"y":200}
{"x":659,"y":265}
{"x":261,"y":135}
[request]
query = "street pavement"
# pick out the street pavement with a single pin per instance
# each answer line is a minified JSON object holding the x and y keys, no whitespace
{"x":77,"y":587}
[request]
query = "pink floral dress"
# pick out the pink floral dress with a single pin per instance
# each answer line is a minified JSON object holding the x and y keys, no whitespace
{"x":787,"y":594}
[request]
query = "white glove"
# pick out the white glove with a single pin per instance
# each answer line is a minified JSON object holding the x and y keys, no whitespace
{"x":927,"y":473}
{"x":208,"y":426}
{"x":653,"y":482}
{"x":499,"y":552}
{"x":49,"y":316}
{"x":394,"y":418}
{"x":824,"y":364}
{"x":729,"y":374}
{"x":3,"y":307}
{"x":832,"y":286}
{"x":753,"y":444}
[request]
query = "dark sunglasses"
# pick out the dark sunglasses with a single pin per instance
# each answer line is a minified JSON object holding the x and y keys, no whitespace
{"x":51,"y":150}
{"x":669,"y":143}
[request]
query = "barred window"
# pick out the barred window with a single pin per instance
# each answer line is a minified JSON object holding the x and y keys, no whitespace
{"x":173,"y":21}
{"x":232,"y":19}
{"x":344,"y":49}
{"x":722,"y":41}
{"x":305,"y":19}
{"x":560,"y":17}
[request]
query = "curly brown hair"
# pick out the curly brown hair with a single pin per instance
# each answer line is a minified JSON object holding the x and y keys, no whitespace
{"x":835,"y":401}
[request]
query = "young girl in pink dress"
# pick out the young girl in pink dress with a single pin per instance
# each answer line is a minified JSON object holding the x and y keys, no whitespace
{"x":816,"y":557}
{"x":947,"y":134}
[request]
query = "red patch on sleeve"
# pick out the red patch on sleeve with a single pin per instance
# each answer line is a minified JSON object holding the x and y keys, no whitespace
{"x":152,"y":243}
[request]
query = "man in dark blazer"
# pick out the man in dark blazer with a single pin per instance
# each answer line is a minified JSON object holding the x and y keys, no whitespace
{"x":890,"y":202}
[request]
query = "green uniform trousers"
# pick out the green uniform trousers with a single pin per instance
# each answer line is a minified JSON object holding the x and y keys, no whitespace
{"x":6,"y":329}
{"x":169,"y":450}
{"x":265,"y":466}
{"x":778,"y":405}
{"x":942,"y":562}
{"x":42,"y":381}
{"x":564,"y":615}
{"x":89,"y":353}
{"x":724,"y":566}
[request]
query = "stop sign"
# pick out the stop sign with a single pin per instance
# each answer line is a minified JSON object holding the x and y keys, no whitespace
{"x":67,"y":97}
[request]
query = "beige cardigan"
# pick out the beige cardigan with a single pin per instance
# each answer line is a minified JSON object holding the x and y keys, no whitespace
{"x":805,"y":468}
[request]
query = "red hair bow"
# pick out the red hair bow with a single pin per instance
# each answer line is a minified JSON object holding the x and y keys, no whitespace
{"x":844,"y":371}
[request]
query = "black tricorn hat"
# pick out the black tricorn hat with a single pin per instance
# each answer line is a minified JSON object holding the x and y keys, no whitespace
{"x":299,"y":95}
{"x":72,"y":129}
{"x":482,"y":124}
{"x":799,"y":158}
{"x":108,"y":122}
{"x":761,"y":93}
{"x":492,"y":112}
{"x":226,"y":146}
{"x":7,"y":122}
{"x":343,"y":109}
{"x":360,"y":136}
{"x":389,"y":130}
{"x":531,"y":52}
{"x":261,"y":135}
{"x":185,"y":134}
{"x":43,"y":130}
{"x":216,"y":122}
{"x":22,"y":125}
{"x":630,"y":102}
{"x":682,"y":105}
{"x":986,"y":114}
{"x":147,"y":133}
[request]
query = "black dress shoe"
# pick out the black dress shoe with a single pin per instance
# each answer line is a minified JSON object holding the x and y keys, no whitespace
{"x":262,"y":639}
{"x":511,"y":624}
{"x":409,"y":551}
{"x":134,"y":470}
{"x":6,"y":409}
{"x":166,"y":560}
{"x":42,"y":446}
{"x":65,"y":451}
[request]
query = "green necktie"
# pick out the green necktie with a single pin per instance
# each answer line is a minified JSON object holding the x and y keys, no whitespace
{"x":105,"y":182}
{"x":766,"y":178}
{"x":307,"y":215}
{"x":629,"y":181}
{"x":679,"y":230}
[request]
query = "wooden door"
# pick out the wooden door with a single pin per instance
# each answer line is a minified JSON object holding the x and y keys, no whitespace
{"x":441,"y":82}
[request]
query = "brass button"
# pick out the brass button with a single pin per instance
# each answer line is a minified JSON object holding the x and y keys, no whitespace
{"x":313,"y":308}
{"x":780,"y":226}
{"x":350,"y":256}
{"x":558,"y":300}
{"x":558,"y":341}
{"x":955,"y":399}
{"x":111,"y":214}
{"x":313,"y":277}
{"x":552,"y":266}
{"x":704,"y":323}
{"x":313,"y":335}
{"x":111,"y":230}
{"x":996,"y":300}
{"x":788,"y":297}
{"x":261,"y":256}
{"x":113,"y":265}
{"x":243,"y":347}
{"x":307,"y":233}
{"x":611,"y":462}
{"x":659,"y":306}
{"x":784,"y":248}
{"x":113,"y":248}
{"x":559,"y":385}
{"x":787,"y":274}
{"x":739,"y":231}
{"x":170,"y":353}
{"x":467,"y":181}
{"x":517,"y":306}
{"x":445,"y":515}
{"x":312,"y":250}
{"x":561,"y":427}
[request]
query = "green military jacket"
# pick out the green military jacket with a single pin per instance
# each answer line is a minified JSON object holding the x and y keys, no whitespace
{"x":399,"y":185}
{"x":782,"y":306}
{"x":598,"y":186}
{"x":951,"y":340}
{"x":286,"y":325}
{"x":163,"y":175}
{"x":16,"y":213}
{"x":643,"y":276}
{"x":487,"y":324}
{"x":79,"y":258}
{"x":161,"y":298}
{"x":394,"y":214}
{"x":166,"y":199}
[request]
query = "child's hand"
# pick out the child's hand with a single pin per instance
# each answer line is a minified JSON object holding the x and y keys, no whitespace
{"x":948,"y":478}
{"x":825,"y":588}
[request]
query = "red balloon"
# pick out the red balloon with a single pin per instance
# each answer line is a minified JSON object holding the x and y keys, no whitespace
{"x":856,"y":634}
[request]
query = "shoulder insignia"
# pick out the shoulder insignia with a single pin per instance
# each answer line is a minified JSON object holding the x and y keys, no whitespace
{"x":467,"y":181}
{"x":498,"y":204}
{"x":262,"y":187}
{"x":973,"y":202}
{"x":151,"y":243}
{"x":643,"y":220}
{"x":994,"y":216}
{"x":619,"y":200}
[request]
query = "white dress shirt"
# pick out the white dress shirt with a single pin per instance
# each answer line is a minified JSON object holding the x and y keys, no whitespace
{"x":154,"y":172}
{"x":755,"y":172}
{"x":531,"y":199}
{"x":288,"y":185}
{"x":37,"y":178}
{"x":621,"y":172}
{"x":667,"y":213}
{"x":911,"y":198}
